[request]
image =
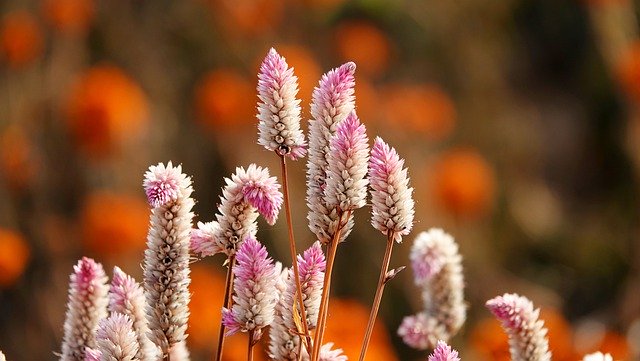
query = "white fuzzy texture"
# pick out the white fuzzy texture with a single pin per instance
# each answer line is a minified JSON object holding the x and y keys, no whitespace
{"x":333,"y":100}
{"x":180,"y":352}
{"x":329,"y":354}
{"x":90,"y":355}
{"x":86,"y":306}
{"x":116,"y":339}
{"x":2,"y":357}
{"x":598,"y":356}
{"x":283,"y":346}
{"x":166,"y":266}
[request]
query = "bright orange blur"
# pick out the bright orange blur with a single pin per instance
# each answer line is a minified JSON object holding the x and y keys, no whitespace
{"x":365,"y":44}
{"x":14,"y":256}
{"x":69,"y":16}
{"x":16,"y":158}
{"x":21,"y":39}
{"x":207,"y":291}
{"x":248,"y":17}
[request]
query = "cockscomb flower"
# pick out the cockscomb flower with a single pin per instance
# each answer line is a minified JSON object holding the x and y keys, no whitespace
{"x":163,"y":184}
{"x":278,"y":108}
{"x":347,"y":170}
{"x":166,"y":260}
{"x":329,"y":354}
{"x":116,"y":339}
{"x":90,"y":355}
{"x":598,"y":356}
{"x":254,"y":290}
{"x":444,"y":352}
{"x":333,"y":100}
{"x":283,"y":345}
{"x":420,"y":331}
{"x":180,"y":352}
{"x":86,"y":306}
{"x":127,"y":297}
{"x":391,"y":197}
{"x":527,"y":334}
{"x":246,"y":194}
{"x":312,"y":266}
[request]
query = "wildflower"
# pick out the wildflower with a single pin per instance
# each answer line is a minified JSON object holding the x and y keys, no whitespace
{"x":392,"y":212}
{"x":527,"y":334}
{"x":312,"y":266}
{"x":333,"y":100}
{"x":598,"y":356}
{"x":247,"y":193}
{"x":166,"y":264}
{"x":127,"y":297}
{"x":283,"y":345}
{"x":444,"y":352}
{"x":420,"y":331}
{"x":180,"y":352}
{"x":329,"y":354}
{"x":87,"y":304}
{"x":278,"y":108}
{"x":254,"y":290}
{"x":116,"y":339}
{"x":348,"y":159}
{"x":90,"y":355}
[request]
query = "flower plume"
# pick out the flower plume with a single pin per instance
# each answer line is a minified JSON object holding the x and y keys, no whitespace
{"x":278,"y":108}
{"x":86,"y":306}
{"x":166,"y":262}
{"x":116,"y":339}
{"x":444,"y":352}
{"x":163,"y":184}
{"x":527,"y":334}
{"x":391,"y":196}
{"x":255,"y":292}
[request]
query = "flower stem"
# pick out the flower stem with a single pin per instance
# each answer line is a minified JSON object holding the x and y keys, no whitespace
{"x":250,"y":347}
{"x":294,"y":253}
{"x":225,"y":303}
{"x":378,"y":297}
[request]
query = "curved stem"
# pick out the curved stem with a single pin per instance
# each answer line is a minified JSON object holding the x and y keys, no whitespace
{"x":294,"y":253}
{"x":225,"y":303}
{"x":378,"y":297}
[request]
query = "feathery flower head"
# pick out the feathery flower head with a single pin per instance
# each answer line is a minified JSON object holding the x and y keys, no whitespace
{"x":254,"y":289}
{"x":420,"y":331}
{"x":598,"y":356}
{"x":163,"y":184}
{"x":90,"y":355}
{"x":278,"y":108}
{"x":127,"y":297}
{"x":247,"y":193}
{"x":527,"y":334}
{"x":348,"y":161}
{"x":333,"y":100}
{"x":179,"y":351}
{"x":329,"y":354}
{"x":2,"y":357}
{"x":166,"y":264}
{"x":429,"y":254}
{"x":86,"y":305}
{"x":391,"y":196}
{"x":116,"y":339}
{"x":444,"y":352}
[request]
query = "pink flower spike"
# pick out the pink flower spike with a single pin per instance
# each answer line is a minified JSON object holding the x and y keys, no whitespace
{"x":278,"y":108}
{"x":86,"y":306}
{"x":391,"y":197}
{"x":263,"y":193}
{"x":203,"y":239}
{"x":348,"y":161}
{"x":116,"y":339}
{"x":163,"y":184}
{"x":90,"y":355}
{"x":527,"y":334}
{"x":419,"y":331}
{"x":255,"y":292}
{"x":444,"y":352}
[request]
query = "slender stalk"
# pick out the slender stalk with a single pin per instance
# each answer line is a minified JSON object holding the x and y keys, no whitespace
{"x":225,"y":303}
{"x":250,"y":347}
{"x":378,"y":297}
{"x":294,"y":253}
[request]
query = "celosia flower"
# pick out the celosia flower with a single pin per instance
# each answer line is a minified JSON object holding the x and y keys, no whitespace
{"x":278,"y":108}
{"x":90,"y":355}
{"x":444,"y":352}
{"x":392,"y":212}
{"x":127,"y":297}
{"x":247,"y":193}
{"x":333,"y":100}
{"x":86,"y":306}
{"x":348,"y":160}
{"x":166,"y":264}
{"x":527,"y":334}
{"x":179,"y":352}
{"x":328,"y":354}
{"x":283,"y":345}
{"x":598,"y":356}
{"x":254,"y":290}
{"x":420,"y":331}
{"x":116,"y":339}
{"x":2,"y":357}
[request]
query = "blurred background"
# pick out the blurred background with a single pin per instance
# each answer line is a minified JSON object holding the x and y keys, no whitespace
{"x":518,"y":120}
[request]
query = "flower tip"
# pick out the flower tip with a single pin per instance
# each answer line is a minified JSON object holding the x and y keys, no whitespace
{"x":444,"y":352}
{"x":162,"y":184}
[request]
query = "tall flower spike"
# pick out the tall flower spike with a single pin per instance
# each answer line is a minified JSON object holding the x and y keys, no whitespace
{"x":246,"y":194}
{"x":598,"y":356}
{"x":420,"y":331}
{"x":283,"y":345}
{"x":444,"y":352}
{"x":348,"y":160}
{"x":255,"y":292}
{"x":278,"y":108}
{"x":312,"y":265}
{"x":87,"y":304}
{"x":116,"y":339}
{"x":333,"y":100}
{"x":166,"y":263}
{"x":527,"y":334}
{"x":391,"y":197}
{"x":127,"y":297}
